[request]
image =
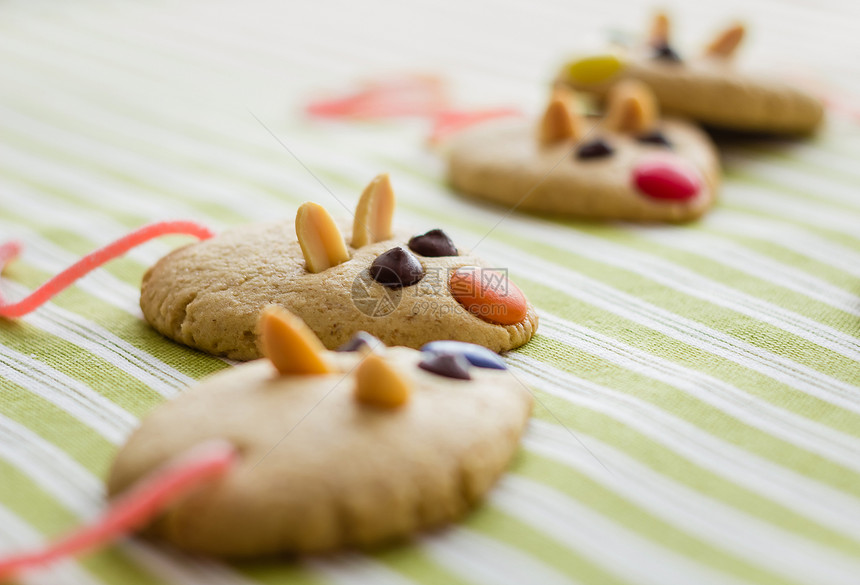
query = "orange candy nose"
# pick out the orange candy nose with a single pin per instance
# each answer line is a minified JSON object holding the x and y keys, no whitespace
{"x":488,"y":294}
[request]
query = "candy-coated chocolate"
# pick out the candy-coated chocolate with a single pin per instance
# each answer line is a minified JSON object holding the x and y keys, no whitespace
{"x":477,"y":355}
{"x":433,"y":244}
{"x":361,"y":341}
{"x":396,"y":268}
{"x":446,"y":364}
{"x":489,"y":295}
{"x":597,"y":148}
{"x":668,"y":178}
{"x":664,"y":52}
{"x":654,"y":137}
{"x":595,"y":69}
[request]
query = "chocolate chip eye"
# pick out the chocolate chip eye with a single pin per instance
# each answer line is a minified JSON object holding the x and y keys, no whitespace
{"x":433,"y":244}
{"x":654,"y":137}
{"x":477,"y":355}
{"x":664,"y":52}
{"x":396,"y":268}
{"x":446,"y":364}
{"x":597,"y":148}
{"x":360,"y":341}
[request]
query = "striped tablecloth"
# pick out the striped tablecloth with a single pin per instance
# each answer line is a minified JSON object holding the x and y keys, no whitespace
{"x":699,"y":388}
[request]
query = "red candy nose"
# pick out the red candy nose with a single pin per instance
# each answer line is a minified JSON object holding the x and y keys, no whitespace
{"x":663,"y":177}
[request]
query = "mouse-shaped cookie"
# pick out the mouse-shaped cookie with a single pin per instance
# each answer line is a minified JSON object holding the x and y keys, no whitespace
{"x":353,"y":448}
{"x":403,"y":288}
{"x":628,"y":164}
{"x":709,"y":88}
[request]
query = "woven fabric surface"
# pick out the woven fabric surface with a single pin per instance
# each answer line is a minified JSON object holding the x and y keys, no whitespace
{"x":698,"y":386}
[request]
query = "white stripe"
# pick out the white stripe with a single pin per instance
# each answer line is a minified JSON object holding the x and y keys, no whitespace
{"x":583,"y":530}
{"x":468,"y":553}
{"x":779,"y":551}
{"x":68,"y":394}
{"x":746,"y":408}
{"x":800,"y":241}
{"x":817,"y":501}
{"x":53,"y":211}
{"x":827,"y":160}
{"x":354,"y":569}
{"x":790,"y":178}
{"x":776,"y":205}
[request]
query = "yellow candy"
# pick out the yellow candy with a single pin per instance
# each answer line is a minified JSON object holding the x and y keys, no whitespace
{"x":290,"y":344}
{"x":380,"y":384}
{"x":594,"y":69}
{"x":322,"y":243}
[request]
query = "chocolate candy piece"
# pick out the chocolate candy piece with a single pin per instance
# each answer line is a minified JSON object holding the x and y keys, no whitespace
{"x":433,"y":244}
{"x":361,"y":341}
{"x":396,"y":268}
{"x":664,"y":52}
{"x":446,"y":364}
{"x":477,"y":355}
{"x":654,"y":137}
{"x":597,"y":148}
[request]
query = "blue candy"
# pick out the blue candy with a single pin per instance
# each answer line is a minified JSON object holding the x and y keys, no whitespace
{"x":477,"y":355}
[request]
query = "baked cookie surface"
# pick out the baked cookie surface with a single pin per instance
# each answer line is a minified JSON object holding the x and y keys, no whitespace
{"x":709,"y":88}
{"x":209,"y":295}
{"x":380,"y":444}
{"x":592,"y":172}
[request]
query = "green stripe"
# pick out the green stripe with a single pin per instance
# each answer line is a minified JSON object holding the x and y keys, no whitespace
{"x":789,"y":190}
{"x":663,"y":346}
{"x":40,"y":510}
{"x":64,"y":431}
{"x":593,"y":495}
{"x":838,"y":237}
{"x":494,"y":523}
{"x":587,"y":422}
{"x":789,"y":257}
{"x":706,"y":417}
{"x":416,"y":565}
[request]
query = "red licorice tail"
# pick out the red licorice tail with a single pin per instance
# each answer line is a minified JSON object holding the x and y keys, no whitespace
{"x":201,"y":464}
{"x":408,"y":96}
{"x":91,"y":261}
{"x":451,"y":121}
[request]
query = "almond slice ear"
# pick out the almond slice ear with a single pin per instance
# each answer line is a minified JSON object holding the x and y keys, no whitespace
{"x":660,"y":28}
{"x":378,"y":383}
{"x":726,"y":43}
{"x":560,"y":121}
{"x":290,"y":344}
{"x":374,"y":213}
{"x":321,"y":241}
{"x":631,"y":108}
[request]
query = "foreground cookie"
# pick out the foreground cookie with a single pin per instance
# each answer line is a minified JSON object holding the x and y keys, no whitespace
{"x":406,"y":291}
{"x":629,"y":164}
{"x":708,"y":88}
{"x":338,"y":449}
